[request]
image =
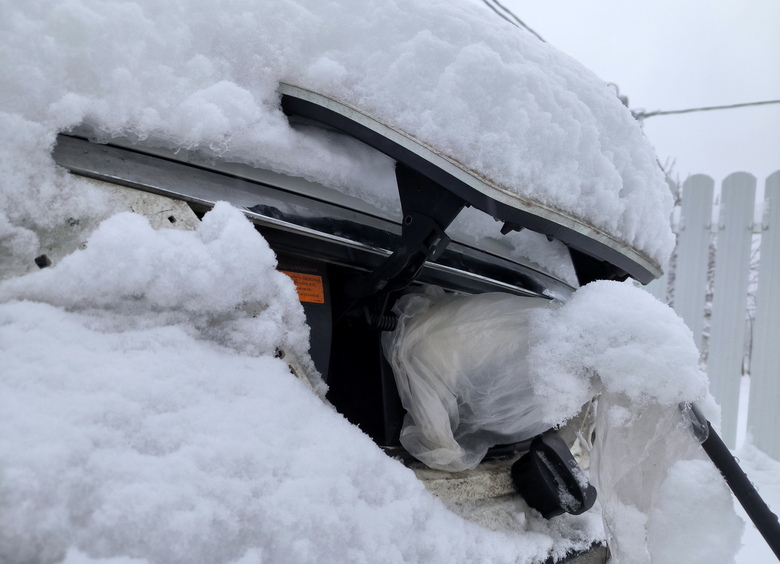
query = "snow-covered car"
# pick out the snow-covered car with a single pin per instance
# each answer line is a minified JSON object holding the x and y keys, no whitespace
{"x":433,"y":164}
{"x":351,"y":262}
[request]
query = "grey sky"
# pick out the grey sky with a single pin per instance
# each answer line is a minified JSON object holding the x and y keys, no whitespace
{"x":669,"y":55}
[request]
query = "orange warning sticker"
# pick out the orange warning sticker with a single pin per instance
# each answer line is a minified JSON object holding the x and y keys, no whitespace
{"x":309,"y":286}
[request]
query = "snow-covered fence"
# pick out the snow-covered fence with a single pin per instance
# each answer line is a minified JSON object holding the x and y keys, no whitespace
{"x":710,"y":288}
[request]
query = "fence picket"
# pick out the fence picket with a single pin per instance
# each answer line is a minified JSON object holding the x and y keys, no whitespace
{"x":732,"y":266}
{"x":693,"y":243}
{"x":724,"y":350}
{"x":764,"y":411}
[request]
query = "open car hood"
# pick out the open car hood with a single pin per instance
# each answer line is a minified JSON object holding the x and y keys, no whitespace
{"x":595,"y":253}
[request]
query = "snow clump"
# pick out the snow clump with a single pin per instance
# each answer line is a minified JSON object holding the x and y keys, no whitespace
{"x":131,"y":276}
{"x":614,"y":337}
{"x":619,"y":343}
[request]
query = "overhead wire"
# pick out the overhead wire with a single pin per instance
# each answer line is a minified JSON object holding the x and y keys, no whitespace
{"x":492,"y":7}
{"x":510,"y":16}
{"x":644,"y":115}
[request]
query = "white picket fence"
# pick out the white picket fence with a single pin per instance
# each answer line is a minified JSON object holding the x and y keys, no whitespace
{"x":735,"y":236}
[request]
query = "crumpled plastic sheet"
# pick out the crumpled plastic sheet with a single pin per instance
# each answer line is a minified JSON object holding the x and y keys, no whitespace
{"x":460,"y":367}
{"x":662,"y":500}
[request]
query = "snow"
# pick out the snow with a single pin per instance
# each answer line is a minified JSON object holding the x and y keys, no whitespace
{"x":145,"y":415}
{"x":132,"y":276}
{"x":651,"y":475}
{"x":764,"y":473}
{"x":146,"y":418}
{"x":636,"y":345}
{"x":706,"y":502}
{"x":203,"y":76}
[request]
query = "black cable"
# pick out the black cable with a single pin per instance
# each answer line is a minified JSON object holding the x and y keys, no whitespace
{"x":765,"y":521}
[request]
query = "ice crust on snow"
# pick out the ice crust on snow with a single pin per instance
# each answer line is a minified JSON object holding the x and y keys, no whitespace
{"x":204,"y":77}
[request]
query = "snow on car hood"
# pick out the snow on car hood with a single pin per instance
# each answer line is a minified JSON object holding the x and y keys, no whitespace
{"x":204,"y":76}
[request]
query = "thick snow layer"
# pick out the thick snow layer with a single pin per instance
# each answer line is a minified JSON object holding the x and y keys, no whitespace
{"x":145,"y":419}
{"x":204,"y":75}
